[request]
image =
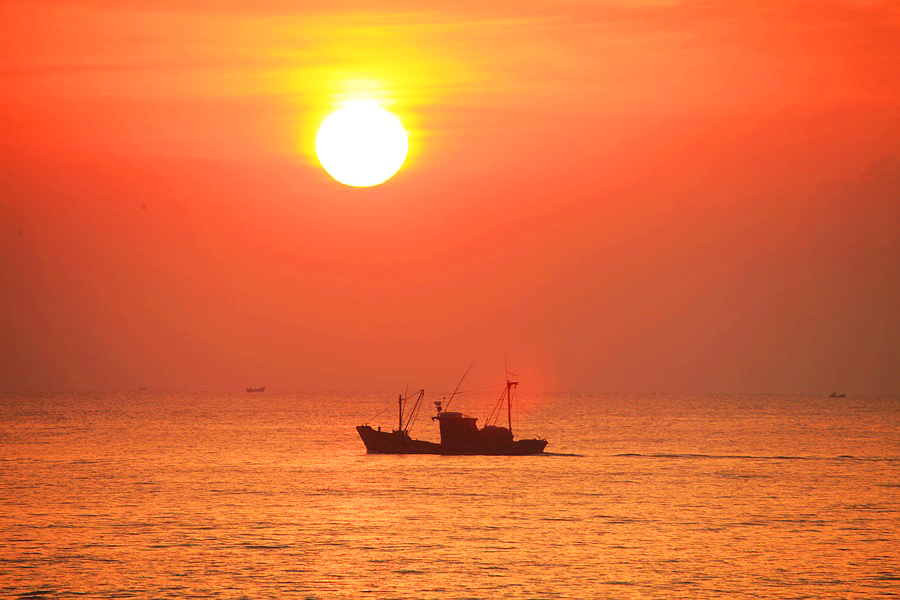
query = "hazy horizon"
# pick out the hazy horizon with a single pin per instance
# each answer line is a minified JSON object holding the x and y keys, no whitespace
{"x":390,"y":394}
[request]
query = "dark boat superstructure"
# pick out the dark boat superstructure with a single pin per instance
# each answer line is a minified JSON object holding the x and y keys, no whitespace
{"x":459,"y":434}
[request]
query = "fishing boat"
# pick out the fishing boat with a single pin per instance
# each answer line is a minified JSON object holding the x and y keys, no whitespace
{"x":460,"y":433}
{"x":251,"y":390}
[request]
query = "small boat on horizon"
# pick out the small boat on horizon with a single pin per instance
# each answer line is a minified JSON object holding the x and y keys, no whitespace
{"x":836,"y":395}
{"x":460,"y":434}
{"x":256,"y":389}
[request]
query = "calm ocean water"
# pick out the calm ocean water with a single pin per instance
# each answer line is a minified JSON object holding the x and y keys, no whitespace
{"x":153,"y":495}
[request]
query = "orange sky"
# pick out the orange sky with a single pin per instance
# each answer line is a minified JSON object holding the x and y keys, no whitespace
{"x":618,"y":196}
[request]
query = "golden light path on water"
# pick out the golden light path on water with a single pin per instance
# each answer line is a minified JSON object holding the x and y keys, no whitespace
{"x":271,"y":495}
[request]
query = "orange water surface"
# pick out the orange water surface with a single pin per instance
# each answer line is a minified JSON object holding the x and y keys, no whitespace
{"x":154,"y":495}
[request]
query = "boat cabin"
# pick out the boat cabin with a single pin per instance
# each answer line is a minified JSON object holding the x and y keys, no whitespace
{"x":459,"y":430}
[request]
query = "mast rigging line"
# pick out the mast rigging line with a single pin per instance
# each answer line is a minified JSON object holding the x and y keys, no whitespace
{"x":495,"y":412}
{"x":415,"y":410}
{"x":381,"y":412}
{"x":481,"y":389}
{"x":391,"y":406}
{"x":459,"y":384}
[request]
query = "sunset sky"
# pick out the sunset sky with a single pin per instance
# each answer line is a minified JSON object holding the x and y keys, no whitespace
{"x":648,"y":196}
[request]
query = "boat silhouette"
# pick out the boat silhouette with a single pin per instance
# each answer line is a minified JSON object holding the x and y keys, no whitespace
{"x":256,"y":389}
{"x":460,"y":434}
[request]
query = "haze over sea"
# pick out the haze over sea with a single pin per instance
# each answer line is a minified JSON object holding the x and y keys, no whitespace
{"x":209,"y":495}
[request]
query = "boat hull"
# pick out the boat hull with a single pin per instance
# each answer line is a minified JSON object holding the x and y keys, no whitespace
{"x":396,"y":442}
{"x":516,"y":448}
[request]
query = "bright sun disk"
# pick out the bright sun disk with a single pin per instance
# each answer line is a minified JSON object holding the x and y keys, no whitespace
{"x":361,"y":144}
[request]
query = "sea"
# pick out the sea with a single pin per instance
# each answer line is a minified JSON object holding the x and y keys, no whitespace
{"x":272,"y":495}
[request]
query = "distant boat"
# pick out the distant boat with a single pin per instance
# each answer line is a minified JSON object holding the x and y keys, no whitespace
{"x":836,"y":395}
{"x":259,"y":389}
{"x":459,"y":433}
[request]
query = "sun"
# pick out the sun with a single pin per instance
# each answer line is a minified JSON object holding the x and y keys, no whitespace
{"x":361,"y":144}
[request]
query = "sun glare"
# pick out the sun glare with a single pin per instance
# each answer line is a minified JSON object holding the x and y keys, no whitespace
{"x":361,"y":144}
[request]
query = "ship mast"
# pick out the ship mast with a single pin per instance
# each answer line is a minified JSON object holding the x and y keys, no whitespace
{"x":400,"y":418}
{"x":509,"y":388}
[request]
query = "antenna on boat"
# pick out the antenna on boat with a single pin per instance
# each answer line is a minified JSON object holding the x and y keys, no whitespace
{"x":510,"y":386}
{"x":459,"y":384}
